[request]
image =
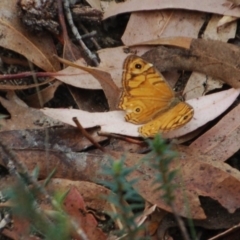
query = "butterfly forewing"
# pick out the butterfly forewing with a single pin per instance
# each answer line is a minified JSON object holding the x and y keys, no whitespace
{"x":145,"y":91}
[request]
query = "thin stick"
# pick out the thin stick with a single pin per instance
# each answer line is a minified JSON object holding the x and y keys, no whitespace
{"x":37,"y":74}
{"x":225,"y":232}
{"x":92,"y":38}
{"x":75,"y":32}
{"x":117,"y":136}
{"x":180,"y":223}
{"x":87,"y":135}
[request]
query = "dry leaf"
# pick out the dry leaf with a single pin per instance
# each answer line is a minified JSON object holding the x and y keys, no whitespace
{"x":111,"y":61}
{"x":199,"y":84}
{"x":219,"y":64}
{"x":95,"y":4}
{"x":91,"y":192}
{"x":199,"y":175}
{"x":217,"y":218}
{"x":214,"y":58}
{"x":78,"y":78}
{"x":221,"y":141}
{"x":110,"y":89}
{"x":203,"y":6}
{"x":205,"y":109}
{"x":20,"y":230}
{"x":225,"y":20}
{"x":170,"y":23}
{"x":59,"y":139}
{"x":233,"y":3}
{"x":75,"y":207}
{"x":23,"y":117}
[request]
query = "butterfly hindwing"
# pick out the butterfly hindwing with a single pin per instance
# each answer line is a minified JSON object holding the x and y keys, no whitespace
{"x":174,"y":118}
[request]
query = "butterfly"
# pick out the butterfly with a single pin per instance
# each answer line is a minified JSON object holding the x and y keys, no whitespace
{"x":148,"y":99}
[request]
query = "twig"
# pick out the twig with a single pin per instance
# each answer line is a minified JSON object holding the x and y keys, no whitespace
{"x":89,"y":35}
{"x":117,"y":136}
{"x":87,"y":135}
{"x":92,"y":39}
{"x":180,"y":223}
{"x":37,"y":74}
{"x":225,"y":232}
{"x":75,"y":32}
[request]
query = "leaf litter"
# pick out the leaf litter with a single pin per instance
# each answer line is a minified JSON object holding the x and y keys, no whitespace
{"x":203,"y":171}
{"x":16,"y":38}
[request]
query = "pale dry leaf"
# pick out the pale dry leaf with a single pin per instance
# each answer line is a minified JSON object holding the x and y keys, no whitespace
{"x":82,"y":79}
{"x":205,"y":109}
{"x":217,"y":7}
{"x":233,"y":3}
{"x":110,"y":89}
{"x":169,"y":24}
{"x":226,"y":20}
{"x":78,"y":78}
{"x":224,"y":35}
{"x":199,"y":84}
{"x":221,"y":141}
{"x":104,"y":5}
{"x":15,"y":37}
{"x":147,"y":211}
{"x":95,"y":4}
{"x":112,"y":59}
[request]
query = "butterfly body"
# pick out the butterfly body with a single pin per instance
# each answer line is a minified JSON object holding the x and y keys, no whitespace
{"x":148,"y":99}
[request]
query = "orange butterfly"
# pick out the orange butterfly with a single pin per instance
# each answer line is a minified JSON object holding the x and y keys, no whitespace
{"x":148,"y":99}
